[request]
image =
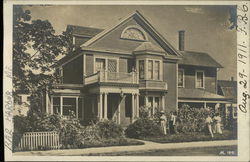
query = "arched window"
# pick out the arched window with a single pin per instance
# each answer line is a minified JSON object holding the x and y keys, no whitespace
{"x":134,"y":33}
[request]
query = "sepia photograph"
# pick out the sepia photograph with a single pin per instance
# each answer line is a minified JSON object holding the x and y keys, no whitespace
{"x":126,"y":80}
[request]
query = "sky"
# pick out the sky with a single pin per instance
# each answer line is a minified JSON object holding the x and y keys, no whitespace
{"x":206,"y":27}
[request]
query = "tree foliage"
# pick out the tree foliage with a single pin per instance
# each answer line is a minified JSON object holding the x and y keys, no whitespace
{"x":35,"y":49}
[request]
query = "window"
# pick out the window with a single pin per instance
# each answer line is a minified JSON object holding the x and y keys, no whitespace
{"x":141,"y":69}
{"x":157,"y":70}
{"x":56,"y":105}
{"x":150,"y":69}
{"x":99,"y":64}
{"x":181,"y":78}
{"x":154,"y":69}
{"x":112,"y":65}
{"x":69,"y":104}
{"x":133,"y":33}
{"x":200,"y":79}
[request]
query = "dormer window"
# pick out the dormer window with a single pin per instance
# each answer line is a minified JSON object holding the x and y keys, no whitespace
{"x":134,"y":33}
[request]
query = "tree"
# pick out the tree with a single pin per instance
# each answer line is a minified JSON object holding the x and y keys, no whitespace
{"x":35,"y":48}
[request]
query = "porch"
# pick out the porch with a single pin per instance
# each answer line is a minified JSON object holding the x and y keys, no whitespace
{"x":104,"y":76}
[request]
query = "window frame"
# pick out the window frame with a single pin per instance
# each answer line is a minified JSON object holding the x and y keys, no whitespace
{"x":183,"y":76}
{"x":144,"y":75}
{"x":203,"y":78}
{"x":144,"y":34}
{"x":106,"y":62}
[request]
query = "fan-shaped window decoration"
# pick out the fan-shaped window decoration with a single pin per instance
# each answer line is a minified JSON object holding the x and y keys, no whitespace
{"x":134,"y":33}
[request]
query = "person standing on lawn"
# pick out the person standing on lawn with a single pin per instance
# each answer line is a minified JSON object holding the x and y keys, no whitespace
{"x":172,"y":122}
{"x":163,"y":121}
{"x":209,"y":122}
{"x":217,"y":123}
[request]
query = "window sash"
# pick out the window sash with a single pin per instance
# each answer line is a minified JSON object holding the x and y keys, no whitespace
{"x":150,"y":69}
{"x":180,"y":78}
{"x":200,"y":79}
{"x":141,"y":69}
{"x":157,"y":70}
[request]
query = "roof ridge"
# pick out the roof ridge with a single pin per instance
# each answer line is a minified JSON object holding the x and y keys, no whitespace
{"x":84,"y":27}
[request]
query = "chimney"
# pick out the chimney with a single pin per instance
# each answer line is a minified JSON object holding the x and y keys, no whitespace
{"x":181,"y":40}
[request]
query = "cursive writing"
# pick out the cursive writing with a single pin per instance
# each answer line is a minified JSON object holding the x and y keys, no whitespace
{"x":243,"y":105}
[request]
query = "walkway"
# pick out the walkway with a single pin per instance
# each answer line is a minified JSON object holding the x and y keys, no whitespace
{"x":146,"y":147}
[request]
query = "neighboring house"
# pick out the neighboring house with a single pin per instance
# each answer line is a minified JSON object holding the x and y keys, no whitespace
{"x":113,"y":72}
{"x":197,"y":79}
{"x":228,"y":88}
{"x":22,"y":105}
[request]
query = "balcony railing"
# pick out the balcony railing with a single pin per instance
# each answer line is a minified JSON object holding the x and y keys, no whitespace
{"x":111,"y":77}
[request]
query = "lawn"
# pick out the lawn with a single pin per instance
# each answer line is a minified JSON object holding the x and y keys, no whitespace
{"x":113,"y":142}
{"x":204,"y":151}
{"x":192,"y":136}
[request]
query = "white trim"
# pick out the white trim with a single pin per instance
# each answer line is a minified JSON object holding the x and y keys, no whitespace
{"x":112,"y":27}
{"x":84,"y":64}
{"x":202,"y":101}
{"x":134,"y":27}
{"x":106,"y":58}
{"x":196,"y":71}
{"x":183,"y":76}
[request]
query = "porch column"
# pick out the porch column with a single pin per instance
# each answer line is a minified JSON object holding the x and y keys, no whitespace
{"x":61,"y":105}
{"x":205,"y":104}
{"x":153,"y":108}
{"x":119,"y":111}
{"x":77,"y":107}
{"x":146,"y":100}
{"x":133,"y":107}
{"x":137,"y":105}
{"x":100,"y":106}
{"x":163,"y":102}
{"x":105,"y":105}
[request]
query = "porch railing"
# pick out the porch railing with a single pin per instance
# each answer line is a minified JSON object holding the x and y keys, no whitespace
{"x":111,"y":77}
{"x":36,"y":141}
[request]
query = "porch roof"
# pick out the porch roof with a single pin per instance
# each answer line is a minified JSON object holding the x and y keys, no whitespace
{"x":200,"y":94}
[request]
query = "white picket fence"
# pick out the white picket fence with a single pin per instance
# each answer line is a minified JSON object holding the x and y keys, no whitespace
{"x":38,"y":141}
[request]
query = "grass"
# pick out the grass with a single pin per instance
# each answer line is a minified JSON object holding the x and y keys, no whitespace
{"x":204,"y":151}
{"x":113,"y":142}
{"x":189,"y":137}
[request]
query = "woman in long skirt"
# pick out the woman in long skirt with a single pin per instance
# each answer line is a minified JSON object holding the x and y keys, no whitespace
{"x":163,"y":121}
{"x":217,"y":124}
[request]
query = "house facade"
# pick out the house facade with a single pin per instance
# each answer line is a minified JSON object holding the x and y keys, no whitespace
{"x":112,"y":72}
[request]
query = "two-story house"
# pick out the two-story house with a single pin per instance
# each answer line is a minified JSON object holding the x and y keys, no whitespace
{"x":113,"y":72}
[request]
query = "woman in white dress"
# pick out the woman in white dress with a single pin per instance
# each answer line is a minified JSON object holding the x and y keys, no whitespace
{"x":209,"y":122}
{"x":163,"y":121}
{"x":217,"y":124}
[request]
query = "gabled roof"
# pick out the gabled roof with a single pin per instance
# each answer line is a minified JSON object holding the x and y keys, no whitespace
{"x":148,"y":46}
{"x":228,"y":88}
{"x":84,"y":31}
{"x":162,"y":41}
{"x":196,"y":93}
{"x":198,"y":59}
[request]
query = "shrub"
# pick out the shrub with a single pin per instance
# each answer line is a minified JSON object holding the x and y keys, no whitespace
{"x":192,"y":119}
{"x":143,"y":127}
{"x":109,"y":129}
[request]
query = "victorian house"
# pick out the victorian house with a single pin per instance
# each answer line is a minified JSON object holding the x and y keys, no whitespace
{"x":112,"y":72}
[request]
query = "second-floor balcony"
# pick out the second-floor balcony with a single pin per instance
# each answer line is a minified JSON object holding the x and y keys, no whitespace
{"x":111,"y":77}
